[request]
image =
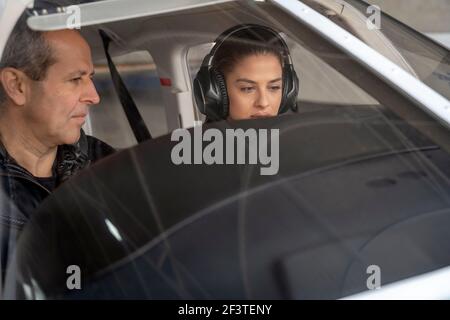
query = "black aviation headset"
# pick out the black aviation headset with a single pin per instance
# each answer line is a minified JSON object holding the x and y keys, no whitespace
{"x":210,"y":91}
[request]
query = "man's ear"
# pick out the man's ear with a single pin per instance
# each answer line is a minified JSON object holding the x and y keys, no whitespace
{"x":15,"y":84}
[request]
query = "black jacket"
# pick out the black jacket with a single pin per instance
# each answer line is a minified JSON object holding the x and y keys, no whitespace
{"x":21,"y":192}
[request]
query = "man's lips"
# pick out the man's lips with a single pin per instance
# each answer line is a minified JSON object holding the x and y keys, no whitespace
{"x":79,"y":115}
{"x":81,"y":118}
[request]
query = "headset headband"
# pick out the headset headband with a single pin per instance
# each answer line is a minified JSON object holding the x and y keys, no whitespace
{"x":207,"y":61}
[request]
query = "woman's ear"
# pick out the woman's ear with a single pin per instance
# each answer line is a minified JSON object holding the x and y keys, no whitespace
{"x":15,"y":84}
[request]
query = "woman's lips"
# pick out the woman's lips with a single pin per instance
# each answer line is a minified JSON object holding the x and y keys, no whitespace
{"x":260,"y":115}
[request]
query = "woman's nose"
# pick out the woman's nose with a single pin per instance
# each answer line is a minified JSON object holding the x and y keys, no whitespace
{"x":263,"y":101}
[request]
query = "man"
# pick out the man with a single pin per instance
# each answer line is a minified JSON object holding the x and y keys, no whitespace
{"x":46,"y":90}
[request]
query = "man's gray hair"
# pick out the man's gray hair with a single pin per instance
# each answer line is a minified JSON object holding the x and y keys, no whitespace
{"x":28,"y":51}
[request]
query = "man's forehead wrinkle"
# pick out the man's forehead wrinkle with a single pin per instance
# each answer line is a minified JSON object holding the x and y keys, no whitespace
{"x":81,"y":72}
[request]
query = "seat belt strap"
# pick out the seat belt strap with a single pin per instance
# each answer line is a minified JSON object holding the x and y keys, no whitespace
{"x":134,"y":118}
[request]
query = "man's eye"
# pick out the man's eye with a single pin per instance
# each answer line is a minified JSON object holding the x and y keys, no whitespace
{"x":76,"y":80}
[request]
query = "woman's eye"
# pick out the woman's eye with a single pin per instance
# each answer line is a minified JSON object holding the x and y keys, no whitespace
{"x":275,"y":88}
{"x":247,"y":89}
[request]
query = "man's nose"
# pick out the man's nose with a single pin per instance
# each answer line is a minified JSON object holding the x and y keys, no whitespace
{"x":90,"y":95}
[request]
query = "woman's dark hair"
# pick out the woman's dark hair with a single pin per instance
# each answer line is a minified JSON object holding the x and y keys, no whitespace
{"x":244,"y":43}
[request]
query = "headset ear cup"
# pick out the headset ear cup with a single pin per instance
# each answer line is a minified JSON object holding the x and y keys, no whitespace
{"x":290,"y":90}
{"x":201,"y":89}
{"x":210,"y":94}
{"x":222,"y":89}
{"x":295,"y":90}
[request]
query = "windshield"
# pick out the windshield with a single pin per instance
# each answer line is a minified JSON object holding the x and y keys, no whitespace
{"x":429,"y":60}
{"x":363,"y":180}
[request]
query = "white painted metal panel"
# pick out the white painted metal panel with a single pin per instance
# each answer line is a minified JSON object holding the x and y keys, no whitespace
{"x":116,"y":10}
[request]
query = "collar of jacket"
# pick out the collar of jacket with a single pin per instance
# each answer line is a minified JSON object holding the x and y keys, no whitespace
{"x":4,"y":156}
{"x":69,"y":158}
{"x":72,"y":158}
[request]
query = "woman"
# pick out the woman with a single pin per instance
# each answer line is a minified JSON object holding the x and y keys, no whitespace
{"x":248,"y":74}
